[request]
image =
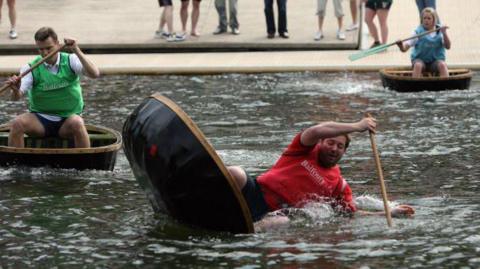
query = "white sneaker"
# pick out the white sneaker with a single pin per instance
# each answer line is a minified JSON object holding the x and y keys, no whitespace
{"x":180,"y":37}
{"x":318,"y":35}
{"x":341,"y":35}
{"x":171,"y":38}
{"x":12,"y":34}
{"x":219,"y":31}
{"x":235,"y":31}
{"x":161,"y":34}
{"x":176,"y":37}
{"x":352,"y":27}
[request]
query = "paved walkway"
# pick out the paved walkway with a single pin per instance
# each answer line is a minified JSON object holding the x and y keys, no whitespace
{"x":132,"y":23}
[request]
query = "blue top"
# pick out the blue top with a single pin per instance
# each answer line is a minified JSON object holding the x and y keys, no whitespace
{"x":428,"y":48}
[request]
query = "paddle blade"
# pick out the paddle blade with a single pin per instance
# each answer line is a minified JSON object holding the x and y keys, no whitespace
{"x":368,"y":52}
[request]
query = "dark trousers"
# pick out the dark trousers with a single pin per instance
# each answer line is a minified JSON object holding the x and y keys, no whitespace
{"x":282,"y":16}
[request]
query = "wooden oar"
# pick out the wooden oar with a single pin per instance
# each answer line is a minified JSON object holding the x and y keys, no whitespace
{"x":380,"y":177}
{"x":6,"y":86}
{"x":368,"y":52}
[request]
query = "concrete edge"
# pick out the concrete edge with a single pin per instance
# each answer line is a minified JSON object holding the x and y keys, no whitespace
{"x":172,"y":47}
{"x":254,"y":69}
{"x":201,"y":70}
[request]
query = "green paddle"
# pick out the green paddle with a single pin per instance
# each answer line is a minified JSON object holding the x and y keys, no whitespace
{"x":374,"y":50}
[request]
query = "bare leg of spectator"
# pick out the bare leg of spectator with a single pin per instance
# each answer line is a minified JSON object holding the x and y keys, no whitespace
{"x":195,"y":17}
{"x":320,"y":24}
{"x":369,"y":16}
{"x":382,"y":19}
{"x":167,"y":18}
{"x":12,"y":15}
{"x":340,"y":33}
{"x":354,"y":11}
{"x":184,"y":15}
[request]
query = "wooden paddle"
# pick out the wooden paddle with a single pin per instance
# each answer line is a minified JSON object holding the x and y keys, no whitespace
{"x":380,"y":177}
{"x":7,"y":85}
{"x":374,"y":50}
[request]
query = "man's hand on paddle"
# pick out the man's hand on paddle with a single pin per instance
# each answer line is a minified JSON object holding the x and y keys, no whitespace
{"x":89,"y":68}
{"x":14,"y":84}
{"x":72,"y":44}
{"x":403,"y":211}
{"x":367,"y":123}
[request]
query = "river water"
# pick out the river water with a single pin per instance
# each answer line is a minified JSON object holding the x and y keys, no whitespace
{"x":429,"y":145}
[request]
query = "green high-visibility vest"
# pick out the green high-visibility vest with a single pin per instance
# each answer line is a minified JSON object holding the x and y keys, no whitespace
{"x":57,"y":94}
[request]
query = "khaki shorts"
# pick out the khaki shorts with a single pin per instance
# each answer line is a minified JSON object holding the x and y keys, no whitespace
{"x":322,"y":6}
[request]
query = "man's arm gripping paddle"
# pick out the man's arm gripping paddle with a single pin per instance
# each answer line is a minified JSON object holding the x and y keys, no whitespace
{"x":10,"y":83}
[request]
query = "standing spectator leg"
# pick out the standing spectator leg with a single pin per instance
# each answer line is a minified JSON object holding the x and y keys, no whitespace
{"x":354,"y":8}
{"x":321,"y":7}
{"x":167,"y":18}
{"x":420,"y":5}
{"x":12,"y":14}
{"x":269,"y":18}
{"x":222,"y":16}
{"x":282,"y":18}
{"x":234,"y":25}
{"x":184,"y":15}
{"x":369,"y":16}
{"x":195,"y":17}
{"x":431,"y":3}
{"x":382,"y":15}
{"x":339,"y":14}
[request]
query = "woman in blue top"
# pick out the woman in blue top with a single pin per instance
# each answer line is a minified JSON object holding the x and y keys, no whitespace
{"x":428,"y":51}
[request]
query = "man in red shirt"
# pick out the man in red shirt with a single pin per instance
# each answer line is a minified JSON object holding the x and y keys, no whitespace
{"x":307,"y":171}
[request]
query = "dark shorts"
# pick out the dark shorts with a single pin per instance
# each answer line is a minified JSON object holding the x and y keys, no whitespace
{"x":165,"y":3}
{"x":428,"y":67}
{"x":51,"y":127}
{"x":254,"y":197}
{"x":378,"y":4}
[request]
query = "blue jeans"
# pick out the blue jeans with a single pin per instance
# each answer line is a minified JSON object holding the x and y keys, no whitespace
{"x":421,"y":4}
{"x":220,"y":5}
{"x":282,"y":16}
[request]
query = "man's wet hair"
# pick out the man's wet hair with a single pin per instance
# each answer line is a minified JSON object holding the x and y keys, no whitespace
{"x":44,"y":33}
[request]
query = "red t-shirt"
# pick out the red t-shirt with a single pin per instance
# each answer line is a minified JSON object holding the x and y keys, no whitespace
{"x":297,"y":177}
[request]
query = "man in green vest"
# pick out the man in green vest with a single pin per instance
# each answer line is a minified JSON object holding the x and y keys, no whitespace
{"x":54,"y":94}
